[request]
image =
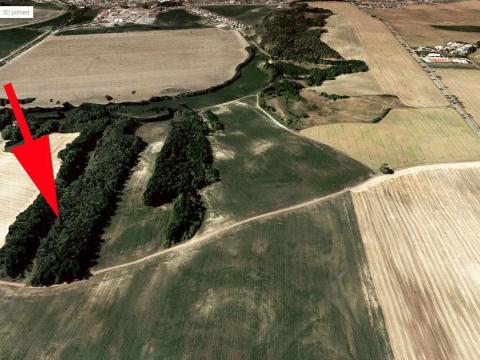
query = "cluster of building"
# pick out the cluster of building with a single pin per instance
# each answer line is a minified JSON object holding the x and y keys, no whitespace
{"x":217,"y":19}
{"x":121,"y":16}
{"x":389,"y":4}
{"x":452,"y":52}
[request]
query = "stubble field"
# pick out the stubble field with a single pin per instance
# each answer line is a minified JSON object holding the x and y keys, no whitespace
{"x":126,"y":66}
{"x":356,"y":35}
{"x":421,"y":237}
{"x":405,"y":137}
{"x":465,"y":84}
{"x":18,"y":191}
{"x":413,"y":22}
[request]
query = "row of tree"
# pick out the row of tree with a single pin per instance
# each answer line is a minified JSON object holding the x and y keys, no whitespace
{"x":72,"y":244}
{"x":288,"y":34}
{"x":183,"y":167}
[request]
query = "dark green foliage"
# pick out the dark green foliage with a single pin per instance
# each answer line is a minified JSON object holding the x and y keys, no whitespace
{"x":184,"y":164}
{"x":290,"y":90}
{"x":318,"y":76}
{"x":185,"y":219}
{"x":83,"y":16}
{"x":284,"y":69}
{"x":213,"y":121}
{"x":23,"y":237}
{"x":11,"y":39}
{"x":72,"y":244}
{"x":177,"y":19}
{"x":6,"y":118}
{"x":387,"y":170}
{"x":33,"y":224}
{"x":334,"y":97}
{"x":461,"y":28}
{"x":288,"y":35}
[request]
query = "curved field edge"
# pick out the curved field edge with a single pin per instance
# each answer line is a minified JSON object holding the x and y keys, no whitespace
{"x":235,"y":296}
{"x":420,"y":233}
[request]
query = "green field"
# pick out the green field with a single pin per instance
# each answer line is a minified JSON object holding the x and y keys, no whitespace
{"x":178,"y":19}
{"x":263,"y":162}
{"x":263,"y":167}
{"x":288,"y":287}
{"x":136,"y":230}
{"x":248,"y":14}
{"x":13,"y":39}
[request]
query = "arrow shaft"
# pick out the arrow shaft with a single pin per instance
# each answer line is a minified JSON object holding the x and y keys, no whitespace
{"x":17,"y":111}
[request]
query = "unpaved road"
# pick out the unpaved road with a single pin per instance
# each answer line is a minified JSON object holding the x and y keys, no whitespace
{"x":374,"y":181}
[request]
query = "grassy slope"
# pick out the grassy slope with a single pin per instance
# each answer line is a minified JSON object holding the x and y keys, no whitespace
{"x":12,"y":39}
{"x":290,"y":287}
{"x":270,"y":168}
{"x":290,"y":171}
{"x":136,"y":230}
{"x":248,"y":14}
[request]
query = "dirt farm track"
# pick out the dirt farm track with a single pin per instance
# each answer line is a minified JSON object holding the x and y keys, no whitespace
{"x":127,"y":66}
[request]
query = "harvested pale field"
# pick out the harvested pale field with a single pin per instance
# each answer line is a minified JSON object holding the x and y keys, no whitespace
{"x":465,"y":84}
{"x":413,"y":22}
{"x":357,"y":84}
{"x":475,"y":57}
{"x":356,"y":35}
{"x":39,"y":16}
{"x":421,"y":235}
{"x":18,"y":191}
{"x":127,"y":66}
{"x":355,"y":109}
{"x":405,"y":137}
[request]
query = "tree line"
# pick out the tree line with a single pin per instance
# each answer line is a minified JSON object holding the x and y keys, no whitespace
{"x":183,"y":167}
{"x":94,"y":168}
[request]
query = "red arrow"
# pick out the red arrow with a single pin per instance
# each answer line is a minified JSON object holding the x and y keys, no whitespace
{"x":34,"y":155}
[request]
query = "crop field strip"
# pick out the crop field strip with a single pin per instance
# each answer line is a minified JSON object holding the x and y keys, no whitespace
{"x":88,"y":67}
{"x":420,"y":232}
{"x":415,"y":22}
{"x":185,"y":302}
{"x":405,"y":137}
{"x":356,"y":35}
{"x":18,"y":191}
{"x":136,"y":229}
{"x":465,"y":84}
